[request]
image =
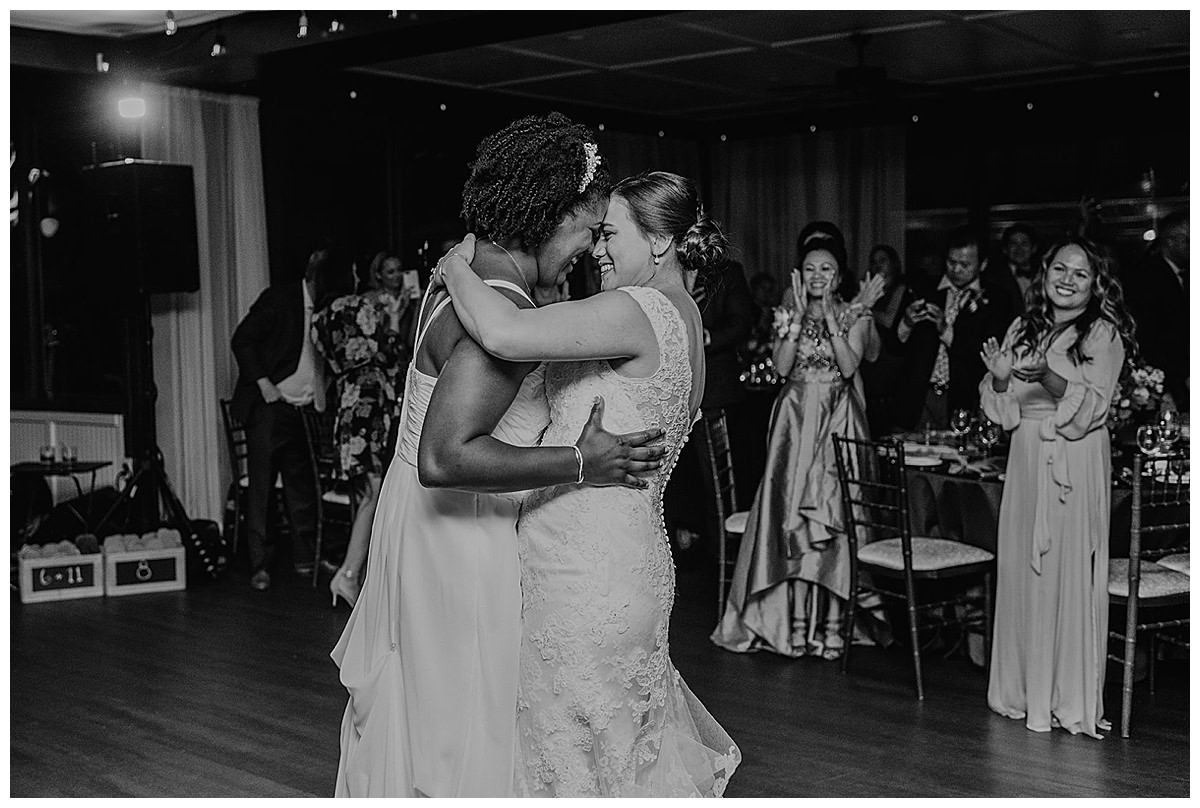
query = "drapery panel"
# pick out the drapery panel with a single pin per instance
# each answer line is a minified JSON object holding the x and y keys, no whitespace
{"x":218,"y":135}
{"x":766,"y":189}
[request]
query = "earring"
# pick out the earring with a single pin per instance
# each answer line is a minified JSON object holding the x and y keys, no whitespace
{"x":656,"y":259}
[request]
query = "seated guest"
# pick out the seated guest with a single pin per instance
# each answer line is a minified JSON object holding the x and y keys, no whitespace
{"x":1013,"y":269}
{"x":361,"y":336}
{"x":881,"y":377}
{"x":278,"y":373}
{"x":1050,"y":382}
{"x":942,"y":333}
{"x":792,"y":575}
{"x":1157,"y":290}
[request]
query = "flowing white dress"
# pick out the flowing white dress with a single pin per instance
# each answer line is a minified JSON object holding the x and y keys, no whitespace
{"x":1050,"y":632}
{"x":601,"y":709}
{"x":429,"y":655}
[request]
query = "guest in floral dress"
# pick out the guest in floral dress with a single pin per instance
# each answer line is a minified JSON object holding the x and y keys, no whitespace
{"x":361,"y":337}
{"x":792,"y":575}
{"x":1051,"y":382}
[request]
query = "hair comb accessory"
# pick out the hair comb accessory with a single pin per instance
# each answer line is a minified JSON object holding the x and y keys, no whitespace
{"x":591,"y":161}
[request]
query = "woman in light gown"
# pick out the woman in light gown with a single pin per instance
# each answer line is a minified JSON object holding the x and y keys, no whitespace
{"x":429,"y":655}
{"x":601,"y":709}
{"x":792,"y":575}
{"x":1051,"y":382}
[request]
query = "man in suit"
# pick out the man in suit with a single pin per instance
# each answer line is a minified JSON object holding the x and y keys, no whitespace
{"x":942,"y":332}
{"x":278,"y":374}
{"x":1157,"y":293}
{"x":1013,"y":269}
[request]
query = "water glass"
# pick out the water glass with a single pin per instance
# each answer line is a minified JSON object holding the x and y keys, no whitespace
{"x":48,"y":453}
{"x":1168,"y":430}
{"x":1148,"y":439}
{"x":69,"y":454}
{"x":960,"y":425}
{"x":989,"y":435}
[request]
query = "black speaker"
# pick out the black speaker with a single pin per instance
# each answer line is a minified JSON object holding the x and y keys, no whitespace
{"x":139,"y":225}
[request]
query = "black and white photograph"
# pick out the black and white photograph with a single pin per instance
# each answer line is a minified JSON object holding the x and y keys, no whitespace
{"x":543,"y":402}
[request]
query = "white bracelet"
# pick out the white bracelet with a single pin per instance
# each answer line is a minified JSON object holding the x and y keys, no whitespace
{"x":579,"y":459}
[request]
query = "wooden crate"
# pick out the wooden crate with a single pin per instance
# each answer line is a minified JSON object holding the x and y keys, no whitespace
{"x":61,"y":577}
{"x":141,"y":571}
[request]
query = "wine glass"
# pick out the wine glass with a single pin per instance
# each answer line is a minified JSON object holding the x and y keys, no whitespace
{"x":989,"y":435}
{"x":960,"y":425}
{"x":1168,"y":429}
{"x":1148,"y":439}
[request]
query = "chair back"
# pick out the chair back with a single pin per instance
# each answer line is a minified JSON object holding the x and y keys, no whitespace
{"x":319,"y":427}
{"x":715,"y":434}
{"x":235,"y":439}
{"x":874,"y":491}
{"x":1160,"y":503}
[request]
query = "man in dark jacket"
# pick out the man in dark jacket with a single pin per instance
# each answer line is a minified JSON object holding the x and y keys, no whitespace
{"x":278,"y":374}
{"x":943,"y":332}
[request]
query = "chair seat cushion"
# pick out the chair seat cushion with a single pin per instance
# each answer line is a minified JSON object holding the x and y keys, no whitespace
{"x":336,"y":497}
{"x":736,"y":523}
{"x":928,"y":554}
{"x":1154,"y":580}
{"x":1179,"y":562}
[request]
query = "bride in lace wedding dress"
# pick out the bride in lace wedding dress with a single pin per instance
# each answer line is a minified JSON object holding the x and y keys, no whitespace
{"x":601,"y":710}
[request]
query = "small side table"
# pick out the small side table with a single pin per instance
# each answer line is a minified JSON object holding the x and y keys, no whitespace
{"x":74,"y":469}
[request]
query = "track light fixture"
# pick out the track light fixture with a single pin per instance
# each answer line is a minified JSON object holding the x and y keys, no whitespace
{"x":218,"y":46}
{"x":302,"y":31}
{"x":393,"y":15}
{"x":171,"y":27}
{"x":336,"y":27}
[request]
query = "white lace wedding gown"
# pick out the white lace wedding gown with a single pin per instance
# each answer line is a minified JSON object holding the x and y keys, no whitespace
{"x":601,"y":710}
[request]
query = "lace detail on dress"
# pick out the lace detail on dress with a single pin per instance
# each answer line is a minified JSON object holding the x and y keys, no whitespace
{"x":601,"y":709}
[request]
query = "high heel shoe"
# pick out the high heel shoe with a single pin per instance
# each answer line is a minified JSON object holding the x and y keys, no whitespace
{"x":344,"y":585}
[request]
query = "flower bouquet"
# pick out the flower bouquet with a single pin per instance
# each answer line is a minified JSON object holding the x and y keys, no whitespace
{"x":1138,"y":396}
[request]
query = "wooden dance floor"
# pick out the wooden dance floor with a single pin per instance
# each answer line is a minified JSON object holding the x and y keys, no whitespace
{"x":221,"y":691}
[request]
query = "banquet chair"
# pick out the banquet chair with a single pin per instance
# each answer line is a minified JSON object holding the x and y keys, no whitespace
{"x":1160,"y":502}
{"x":731,"y":523}
{"x":239,"y":484}
{"x":874,"y":492}
{"x":335,"y":500}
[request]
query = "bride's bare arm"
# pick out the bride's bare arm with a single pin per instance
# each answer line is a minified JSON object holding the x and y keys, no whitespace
{"x":608,"y":325}
{"x":473,"y":391}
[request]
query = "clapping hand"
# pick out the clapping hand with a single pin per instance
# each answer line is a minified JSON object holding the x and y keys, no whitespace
{"x":1032,"y":371}
{"x":610,"y":459}
{"x":999,"y":363}
{"x":799,"y":296}
{"x":462,"y":251}
{"x":870,"y":292}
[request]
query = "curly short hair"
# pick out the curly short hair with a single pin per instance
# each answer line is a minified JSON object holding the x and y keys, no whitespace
{"x":526,"y":178}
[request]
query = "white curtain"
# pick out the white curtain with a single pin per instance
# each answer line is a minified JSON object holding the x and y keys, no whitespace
{"x":218,"y":135}
{"x":765,"y":190}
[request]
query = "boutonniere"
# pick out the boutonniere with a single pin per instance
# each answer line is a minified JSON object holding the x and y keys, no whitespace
{"x":975,"y":300}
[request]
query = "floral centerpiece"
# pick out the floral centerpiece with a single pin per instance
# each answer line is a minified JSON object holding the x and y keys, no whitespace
{"x":1139,"y":395}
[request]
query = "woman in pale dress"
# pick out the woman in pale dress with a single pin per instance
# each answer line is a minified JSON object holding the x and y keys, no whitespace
{"x":792,"y":575}
{"x":429,"y":655}
{"x":1051,"y":382}
{"x":601,"y":710}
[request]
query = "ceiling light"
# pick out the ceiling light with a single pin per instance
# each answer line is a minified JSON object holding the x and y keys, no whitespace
{"x":1029,"y":106}
{"x":1149,"y":235}
{"x":336,"y":27}
{"x":916,"y":118}
{"x":132,"y":107}
{"x":353,"y":94}
{"x":442,"y":107}
{"x":1156,"y":93}
{"x":171,"y":27}
{"x":393,"y":15}
{"x":600,"y":127}
{"x":723,"y":138}
{"x":302,"y":31}
{"x":101,"y":65}
{"x":812,"y":127}
{"x":218,"y":46}
{"x":661,"y":133}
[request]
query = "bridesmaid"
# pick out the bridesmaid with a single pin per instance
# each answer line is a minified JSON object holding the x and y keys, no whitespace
{"x":793,"y":568}
{"x":1052,"y":381}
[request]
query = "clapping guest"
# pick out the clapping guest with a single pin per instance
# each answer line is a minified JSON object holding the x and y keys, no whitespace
{"x":881,"y":377}
{"x":1051,"y":382}
{"x":793,"y":568}
{"x":361,"y":337}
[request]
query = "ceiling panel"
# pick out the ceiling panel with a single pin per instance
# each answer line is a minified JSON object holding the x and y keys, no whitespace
{"x":476,"y":67}
{"x":622,"y":91}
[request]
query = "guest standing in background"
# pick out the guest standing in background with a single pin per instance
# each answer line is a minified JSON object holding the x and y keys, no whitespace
{"x":942,"y":332}
{"x":361,"y":337}
{"x":1157,"y":289}
{"x":881,"y":377}
{"x":1013,"y":269}
{"x":1051,"y":382}
{"x":793,"y":568}
{"x":277,"y":375}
